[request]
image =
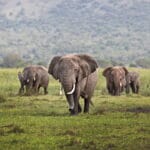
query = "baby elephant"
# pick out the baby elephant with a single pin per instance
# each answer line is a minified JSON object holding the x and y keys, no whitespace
{"x":33,"y":77}
{"x":133,"y":82}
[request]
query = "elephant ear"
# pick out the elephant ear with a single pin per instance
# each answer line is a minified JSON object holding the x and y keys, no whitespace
{"x":126,"y":71}
{"x":53,"y":66}
{"x":88,"y":65}
{"x":106,"y":71}
{"x":20,"y":76}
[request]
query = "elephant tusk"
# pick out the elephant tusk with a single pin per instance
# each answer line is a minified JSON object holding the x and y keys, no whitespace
{"x":120,"y":84}
{"x":34,"y":79}
{"x":28,"y":80}
{"x":72,"y":91}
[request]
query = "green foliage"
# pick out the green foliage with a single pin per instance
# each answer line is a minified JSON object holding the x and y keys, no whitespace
{"x":43,"y":122}
{"x":132,"y":65}
{"x":12,"y":60}
{"x":103,"y":63}
{"x":144,"y":63}
{"x":110,"y":30}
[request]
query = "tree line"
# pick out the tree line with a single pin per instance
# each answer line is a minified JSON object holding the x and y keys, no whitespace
{"x":14,"y":60}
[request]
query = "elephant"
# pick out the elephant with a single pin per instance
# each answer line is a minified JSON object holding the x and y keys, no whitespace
{"x":33,"y":77}
{"x":133,"y":82}
{"x":115,"y":79}
{"x":78,"y":76}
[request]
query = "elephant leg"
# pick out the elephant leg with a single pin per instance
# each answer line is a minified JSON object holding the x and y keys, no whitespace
{"x":39,"y":89}
{"x":113,"y":90}
{"x":79,"y":108}
{"x":76,"y":104}
{"x":117,"y":92}
{"x":127,"y":89}
{"x":137,"y":89}
{"x":132,"y":87}
{"x":36,"y":87}
{"x":86,"y":105}
{"x":70,"y":101}
{"x":45,"y":90}
{"x":27,"y":89}
{"x":109,"y":90}
{"x":21,"y":90}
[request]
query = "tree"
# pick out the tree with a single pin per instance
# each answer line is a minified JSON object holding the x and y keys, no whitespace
{"x":12,"y":60}
{"x":144,"y":63}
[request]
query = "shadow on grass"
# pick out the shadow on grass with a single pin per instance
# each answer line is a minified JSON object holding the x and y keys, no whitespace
{"x":2,"y":98}
{"x":75,"y":142}
{"x":145,"y":109}
{"x":10,"y":128}
{"x":53,"y":114}
{"x":136,"y":109}
{"x":99,"y":111}
{"x":36,"y":113}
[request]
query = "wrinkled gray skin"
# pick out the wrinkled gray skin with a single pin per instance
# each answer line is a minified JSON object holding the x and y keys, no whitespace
{"x":33,"y":77}
{"x":78,"y":76}
{"x":133,"y":82}
{"x":115,"y":79}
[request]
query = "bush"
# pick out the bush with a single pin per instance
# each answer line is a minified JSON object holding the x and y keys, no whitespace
{"x":12,"y":60}
{"x":144,"y":63}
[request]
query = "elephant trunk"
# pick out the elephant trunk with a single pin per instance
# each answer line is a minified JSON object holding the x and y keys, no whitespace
{"x":117,"y":86}
{"x":69,"y":89}
{"x":70,"y":102}
{"x":68,"y":85}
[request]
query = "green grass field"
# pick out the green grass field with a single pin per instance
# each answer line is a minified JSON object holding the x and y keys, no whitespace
{"x":43,"y":122}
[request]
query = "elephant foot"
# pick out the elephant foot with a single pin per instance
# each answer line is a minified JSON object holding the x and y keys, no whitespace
{"x":86,"y":111}
{"x":79,"y":109}
{"x":46,"y":93}
{"x":72,"y":112}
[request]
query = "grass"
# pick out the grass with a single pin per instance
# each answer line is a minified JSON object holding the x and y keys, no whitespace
{"x":43,"y":122}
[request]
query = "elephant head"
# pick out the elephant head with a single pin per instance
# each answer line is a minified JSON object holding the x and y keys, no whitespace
{"x":70,"y":70}
{"x":115,"y":78}
{"x":30,"y":77}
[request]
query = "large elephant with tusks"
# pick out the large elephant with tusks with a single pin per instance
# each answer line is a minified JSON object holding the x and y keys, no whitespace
{"x":115,"y":79}
{"x":78,"y":76}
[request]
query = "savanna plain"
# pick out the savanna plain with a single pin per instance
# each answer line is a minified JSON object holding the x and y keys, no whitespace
{"x":42,"y":122}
